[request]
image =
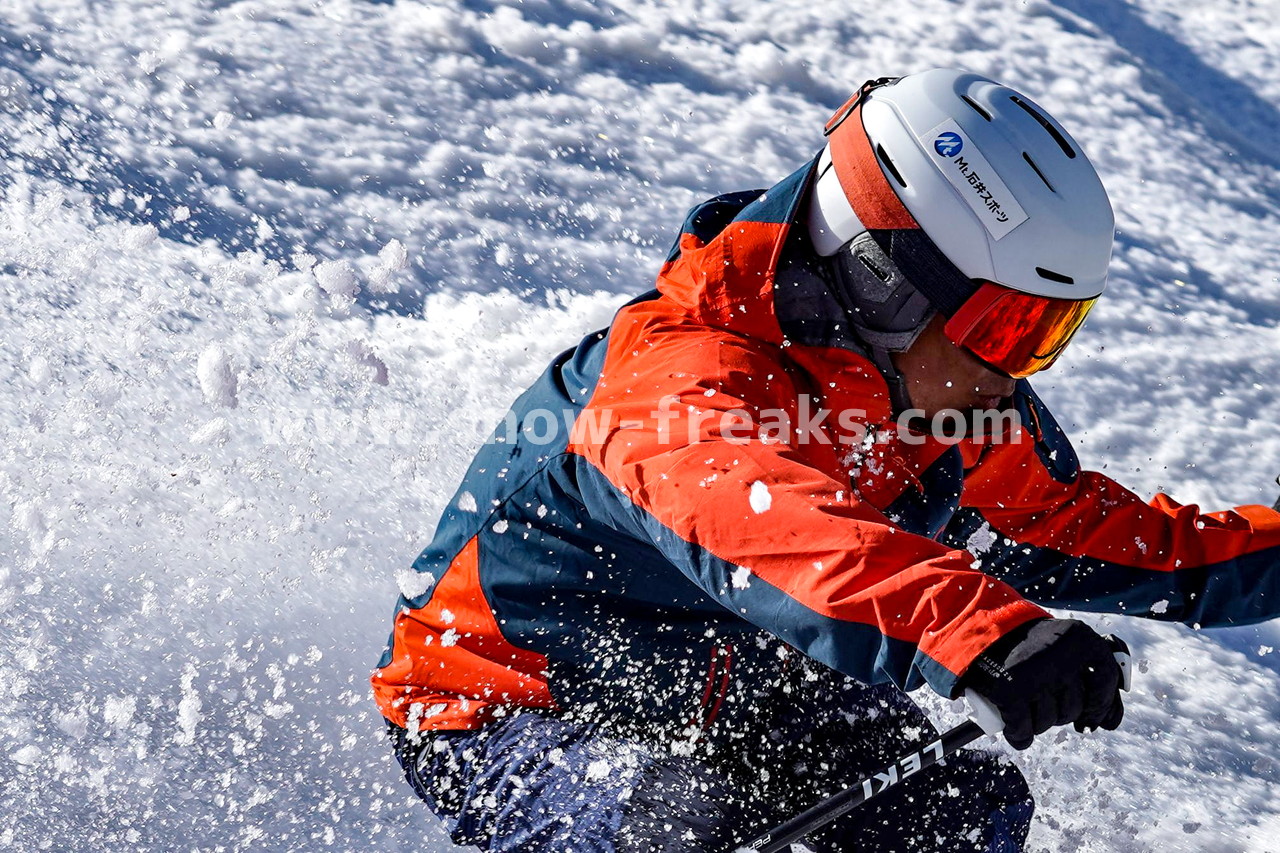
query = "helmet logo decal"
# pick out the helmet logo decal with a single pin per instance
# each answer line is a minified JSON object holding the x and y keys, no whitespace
{"x":948,"y":144}
{"x":974,"y":178}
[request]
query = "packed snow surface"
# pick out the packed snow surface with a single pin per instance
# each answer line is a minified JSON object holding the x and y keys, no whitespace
{"x":271,"y":270}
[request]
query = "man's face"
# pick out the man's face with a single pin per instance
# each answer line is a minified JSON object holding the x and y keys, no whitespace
{"x":941,"y":375}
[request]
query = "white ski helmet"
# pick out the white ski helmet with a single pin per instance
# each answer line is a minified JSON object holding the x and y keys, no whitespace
{"x":962,"y":181}
{"x":964,"y":192}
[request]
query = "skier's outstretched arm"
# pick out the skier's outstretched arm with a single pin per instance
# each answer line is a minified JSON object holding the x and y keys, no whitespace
{"x":1070,"y":538}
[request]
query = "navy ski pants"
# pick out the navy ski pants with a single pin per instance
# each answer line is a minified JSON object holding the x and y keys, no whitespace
{"x":534,"y":782}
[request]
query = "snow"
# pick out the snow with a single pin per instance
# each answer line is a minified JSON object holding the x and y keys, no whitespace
{"x":272,"y":271}
{"x":337,"y":278}
{"x":981,"y":540}
{"x":760,"y":498}
{"x":188,"y":717}
{"x":217,"y":377}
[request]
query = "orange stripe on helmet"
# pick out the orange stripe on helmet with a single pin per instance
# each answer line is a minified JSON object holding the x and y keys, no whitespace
{"x":874,"y":202}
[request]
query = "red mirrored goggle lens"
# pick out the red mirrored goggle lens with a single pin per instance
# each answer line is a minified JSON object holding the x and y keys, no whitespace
{"x":1018,"y":333}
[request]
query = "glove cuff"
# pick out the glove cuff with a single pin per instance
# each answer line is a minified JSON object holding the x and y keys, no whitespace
{"x":987,"y":670}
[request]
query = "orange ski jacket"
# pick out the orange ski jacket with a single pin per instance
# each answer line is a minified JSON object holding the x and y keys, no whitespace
{"x":667,"y":503}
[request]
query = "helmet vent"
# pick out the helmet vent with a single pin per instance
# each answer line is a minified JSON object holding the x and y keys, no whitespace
{"x":1047,"y":125}
{"x":888,"y":164}
{"x":977,"y":109}
{"x":875,"y":270}
{"x":1055,"y":276}
{"x":1032,"y":164}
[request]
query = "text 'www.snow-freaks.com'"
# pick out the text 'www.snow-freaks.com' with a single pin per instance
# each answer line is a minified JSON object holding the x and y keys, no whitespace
{"x":674,"y":422}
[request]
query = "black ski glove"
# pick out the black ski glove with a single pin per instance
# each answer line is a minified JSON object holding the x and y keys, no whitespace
{"x":1046,"y":673}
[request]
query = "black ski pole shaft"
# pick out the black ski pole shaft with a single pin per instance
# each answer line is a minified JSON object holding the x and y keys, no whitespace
{"x":984,"y":720}
{"x":780,"y":837}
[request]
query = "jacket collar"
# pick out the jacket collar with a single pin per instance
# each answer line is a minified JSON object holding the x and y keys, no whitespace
{"x":724,"y":270}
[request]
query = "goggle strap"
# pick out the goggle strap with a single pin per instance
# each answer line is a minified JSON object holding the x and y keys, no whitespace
{"x":838,"y":117}
{"x":926,"y":268}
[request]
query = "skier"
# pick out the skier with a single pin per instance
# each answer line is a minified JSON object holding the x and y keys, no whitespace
{"x":804,"y":475}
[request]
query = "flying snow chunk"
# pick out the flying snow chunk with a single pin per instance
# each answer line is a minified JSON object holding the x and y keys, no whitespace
{"x":137,"y":237}
{"x":467,"y":502}
{"x":760,"y":498}
{"x":503,"y":256}
{"x":189,"y":715}
{"x":413,"y":584}
{"x":118,"y":711}
{"x":1161,"y":606}
{"x":364,"y":356}
{"x":277,"y":710}
{"x":393,"y":258}
{"x":27,"y":755}
{"x":39,"y":370}
{"x":741,"y":577}
{"x":149,"y":61}
{"x":217,"y":377}
{"x":980,"y":541}
{"x":337,"y":278}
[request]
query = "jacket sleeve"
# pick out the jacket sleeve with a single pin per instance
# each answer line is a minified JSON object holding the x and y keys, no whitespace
{"x":1077,"y":539}
{"x":770,"y":535}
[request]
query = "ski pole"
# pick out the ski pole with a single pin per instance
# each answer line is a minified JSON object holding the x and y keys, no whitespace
{"x":781,"y":836}
{"x":984,"y":719}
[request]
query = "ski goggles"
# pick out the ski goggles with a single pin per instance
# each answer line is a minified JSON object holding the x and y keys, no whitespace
{"x":1017,"y":333}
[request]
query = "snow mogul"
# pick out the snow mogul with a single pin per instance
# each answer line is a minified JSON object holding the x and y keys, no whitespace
{"x":804,"y":475}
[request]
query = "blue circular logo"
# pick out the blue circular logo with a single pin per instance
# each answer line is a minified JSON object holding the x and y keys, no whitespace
{"x":948,"y":144}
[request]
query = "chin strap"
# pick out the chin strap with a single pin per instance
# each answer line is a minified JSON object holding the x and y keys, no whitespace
{"x":898,"y":394}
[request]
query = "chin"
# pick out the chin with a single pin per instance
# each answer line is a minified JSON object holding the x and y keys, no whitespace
{"x":975,"y":419}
